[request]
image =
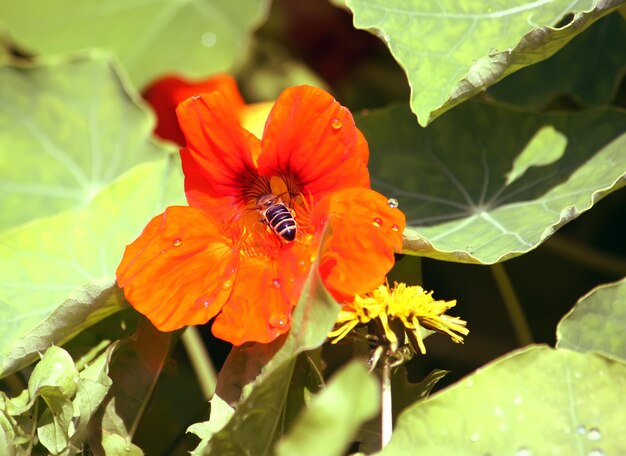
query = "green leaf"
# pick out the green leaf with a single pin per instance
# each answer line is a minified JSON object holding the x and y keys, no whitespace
{"x":255,"y":424}
{"x":67,"y":129}
{"x":451,"y":178}
{"x":329,"y":424}
{"x":588,"y":69}
{"x":195,"y":37}
{"x":135,"y":369}
{"x":452,"y":50}
{"x":17,"y":431}
{"x":534,"y":401}
{"x":597,"y":322}
{"x":55,"y":370}
{"x":221,"y":413}
{"x":55,"y":379}
{"x":71,"y":399}
{"x":56,"y":271}
{"x":92,"y":388}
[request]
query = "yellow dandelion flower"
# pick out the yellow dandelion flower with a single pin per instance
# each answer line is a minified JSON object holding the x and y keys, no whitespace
{"x":414,"y":307}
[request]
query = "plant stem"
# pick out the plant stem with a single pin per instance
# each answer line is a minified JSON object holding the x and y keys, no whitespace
{"x":386,"y":406}
{"x":513,"y":306}
{"x":200,"y":361}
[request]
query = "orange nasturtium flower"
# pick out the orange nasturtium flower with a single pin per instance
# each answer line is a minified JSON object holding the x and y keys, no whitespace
{"x":165,"y":93}
{"x":216,"y":258}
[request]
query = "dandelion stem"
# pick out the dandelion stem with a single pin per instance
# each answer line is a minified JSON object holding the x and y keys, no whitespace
{"x":200,"y":361}
{"x":513,"y":306}
{"x":386,"y":407}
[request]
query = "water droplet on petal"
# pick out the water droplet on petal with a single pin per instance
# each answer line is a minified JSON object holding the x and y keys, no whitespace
{"x":276,"y":283}
{"x":395,"y":228}
{"x":594,"y":434}
{"x":227,"y":285}
{"x":523,"y":451}
{"x":393,"y":203}
{"x":163,"y":251}
{"x":581,"y":430}
{"x":208,"y":39}
{"x":301,"y":263}
{"x":336,"y":124}
{"x":377,"y":222}
{"x":278,"y":321}
{"x":177,"y":242}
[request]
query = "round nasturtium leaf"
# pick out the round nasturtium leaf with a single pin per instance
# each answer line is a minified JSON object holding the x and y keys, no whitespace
{"x":534,"y":401}
{"x":485,"y":183}
{"x":194,"y":38}
{"x":67,"y":128}
{"x":451,"y":50}
{"x":597,"y":322}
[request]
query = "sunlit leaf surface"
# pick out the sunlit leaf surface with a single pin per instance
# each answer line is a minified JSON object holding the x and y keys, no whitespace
{"x":328,"y":425}
{"x":452,"y":50}
{"x":192,"y":37}
{"x":485,"y":183}
{"x":66,"y":130}
{"x":70,"y":259}
{"x":597,"y":322}
{"x":535,"y":401}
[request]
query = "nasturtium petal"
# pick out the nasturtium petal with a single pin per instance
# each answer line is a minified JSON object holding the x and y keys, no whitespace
{"x":533,"y":401}
{"x":597,"y":322}
{"x":364,"y":234}
{"x":66,"y":130}
{"x":195,"y":38}
{"x":310,"y":136}
{"x":218,"y":157}
{"x":452,"y":50}
{"x":450,"y":178}
{"x":160,"y":270}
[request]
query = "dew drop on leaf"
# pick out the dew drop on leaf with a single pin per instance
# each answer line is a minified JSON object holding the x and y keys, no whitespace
{"x":594,"y":434}
{"x":208,"y":39}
